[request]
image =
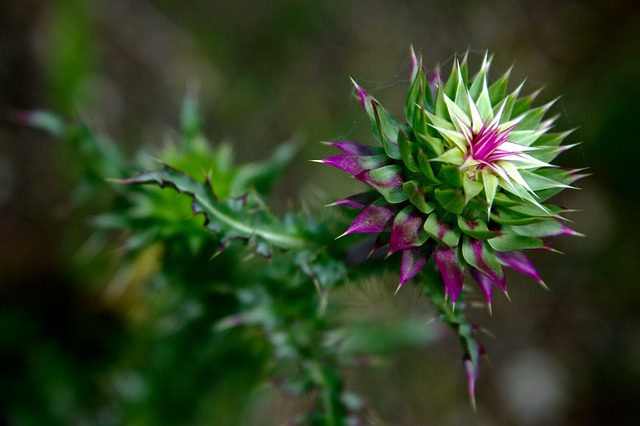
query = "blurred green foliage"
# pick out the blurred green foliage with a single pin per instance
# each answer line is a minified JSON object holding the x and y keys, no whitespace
{"x":203,"y":320}
{"x":70,"y":53}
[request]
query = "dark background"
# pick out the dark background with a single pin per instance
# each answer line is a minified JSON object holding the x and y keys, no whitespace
{"x":268,"y":71}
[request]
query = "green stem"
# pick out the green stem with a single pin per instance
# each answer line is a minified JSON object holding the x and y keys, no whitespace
{"x":330,"y":384}
{"x":281,"y":240}
{"x":453,"y":316}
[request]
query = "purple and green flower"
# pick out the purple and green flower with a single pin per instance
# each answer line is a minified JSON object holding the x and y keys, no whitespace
{"x":465,"y":178}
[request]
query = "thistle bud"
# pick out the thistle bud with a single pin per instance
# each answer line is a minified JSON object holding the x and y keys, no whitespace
{"x":465,"y":177}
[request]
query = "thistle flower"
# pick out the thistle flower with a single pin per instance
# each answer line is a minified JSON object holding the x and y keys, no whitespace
{"x":465,"y":178}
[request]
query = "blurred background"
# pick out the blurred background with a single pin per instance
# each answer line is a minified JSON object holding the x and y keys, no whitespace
{"x":270,"y":71}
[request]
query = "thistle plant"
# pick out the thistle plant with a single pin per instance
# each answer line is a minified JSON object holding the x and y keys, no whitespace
{"x":464,"y":179}
{"x":462,"y":185}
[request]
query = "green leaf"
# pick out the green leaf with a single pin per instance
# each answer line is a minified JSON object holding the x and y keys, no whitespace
{"x":523,"y":105}
{"x":387,"y":130}
{"x":505,"y":216}
{"x":509,"y":102}
{"x":437,"y":121}
{"x":538,"y":182}
{"x":546,"y":228}
{"x":454,"y":80}
{"x":565,"y":176}
{"x":551,"y":139}
{"x":475,"y":228}
{"x":418,"y":121}
{"x":441,"y":109}
{"x":481,"y":256}
{"x":533,"y":117}
{"x":432,"y":144}
{"x":462,"y":98}
{"x":528,"y":209}
{"x":450,"y":199}
{"x":234,"y":218}
{"x":490,"y":184}
{"x":442,"y":232}
{"x":514,"y":242}
{"x":498,"y":90}
{"x":484,"y":104}
{"x":451,"y":174}
{"x":503,"y":199}
{"x":418,"y":96}
{"x":425,"y":167}
{"x":416,"y":197}
{"x":548,"y":153}
{"x":453,"y":137}
{"x":408,"y":152}
{"x":452,"y":156}
{"x":387,"y":181}
{"x":478,"y":83}
{"x":471,"y":188}
{"x":544,"y":195}
{"x":407,"y":230}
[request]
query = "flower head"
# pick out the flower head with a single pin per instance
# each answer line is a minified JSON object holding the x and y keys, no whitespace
{"x":465,"y":178}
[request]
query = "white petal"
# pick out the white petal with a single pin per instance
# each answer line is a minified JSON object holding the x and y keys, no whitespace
{"x":525,"y":161}
{"x":515,"y":147}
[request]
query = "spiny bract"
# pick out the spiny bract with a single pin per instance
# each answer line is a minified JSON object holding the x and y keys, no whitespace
{"x":466,"y":178}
